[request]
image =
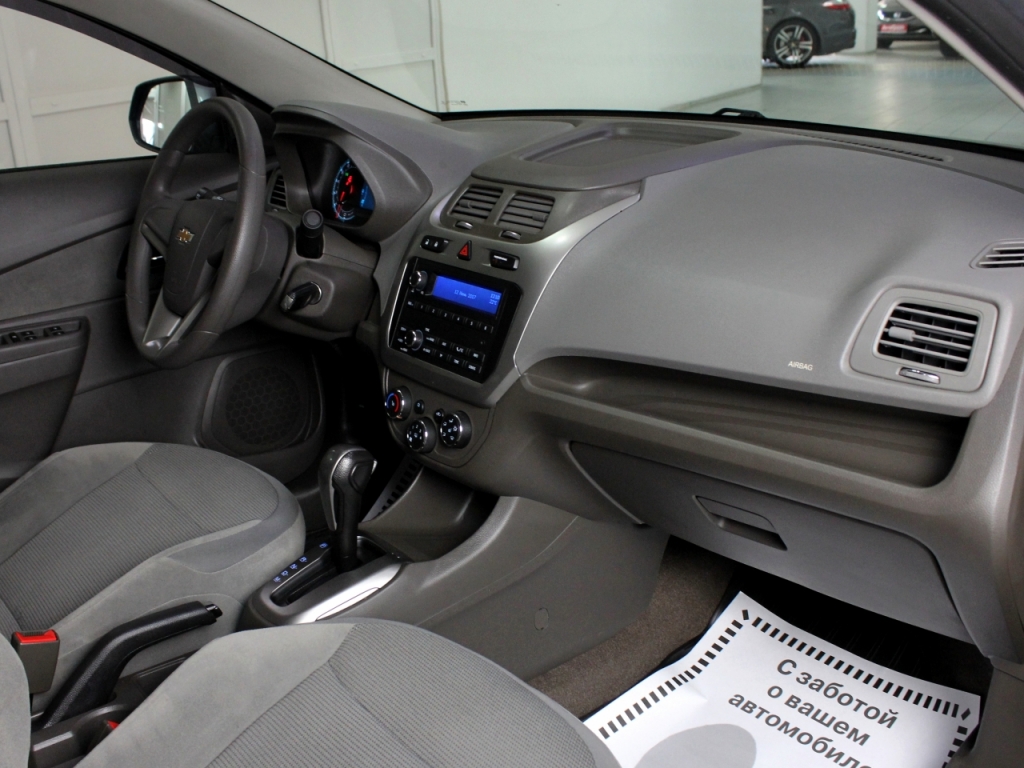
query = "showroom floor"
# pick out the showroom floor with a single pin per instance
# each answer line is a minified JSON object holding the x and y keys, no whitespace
{"x":909,"y":88}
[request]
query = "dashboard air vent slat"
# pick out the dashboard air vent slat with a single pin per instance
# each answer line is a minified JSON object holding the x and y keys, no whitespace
{"x":477,"y":202}
{"x":928,"y":335}
{"x":526,"y":212}
{"x":1001,"y":255}
{"x":279,"y":195}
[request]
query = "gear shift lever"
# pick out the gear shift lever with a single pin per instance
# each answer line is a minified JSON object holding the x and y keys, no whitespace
{"x":344,"y":474}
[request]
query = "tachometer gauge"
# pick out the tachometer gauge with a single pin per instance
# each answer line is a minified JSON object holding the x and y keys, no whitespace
{"x":351,"y":197}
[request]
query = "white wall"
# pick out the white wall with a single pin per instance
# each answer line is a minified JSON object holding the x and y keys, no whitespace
{"x":64,"y":97}
{"x":610,"y":54}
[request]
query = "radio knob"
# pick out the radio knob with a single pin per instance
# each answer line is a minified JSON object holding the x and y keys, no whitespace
{"x":414,"y":340}
{"x":456,"y":430}
{"x":421,"y":436}
{"x":418,"y":280}
{"x":398,"y":404}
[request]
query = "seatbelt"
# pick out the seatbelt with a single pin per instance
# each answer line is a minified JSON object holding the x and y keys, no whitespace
{"x":38,"y":652}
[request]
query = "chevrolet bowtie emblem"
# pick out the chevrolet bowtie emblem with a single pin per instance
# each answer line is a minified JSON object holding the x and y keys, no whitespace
{"x":184,"y":235}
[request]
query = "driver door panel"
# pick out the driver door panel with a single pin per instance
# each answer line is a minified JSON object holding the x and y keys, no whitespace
{"x":65,"y":233}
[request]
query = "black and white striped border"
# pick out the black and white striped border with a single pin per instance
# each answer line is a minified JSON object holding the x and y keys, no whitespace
{"x":667,"y":686}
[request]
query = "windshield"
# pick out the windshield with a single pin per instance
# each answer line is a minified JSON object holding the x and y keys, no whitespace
{"x":863,"y":64}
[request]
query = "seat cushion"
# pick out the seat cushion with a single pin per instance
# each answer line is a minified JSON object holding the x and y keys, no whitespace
{"x":96,"y":536}
{"x":356,"y":693}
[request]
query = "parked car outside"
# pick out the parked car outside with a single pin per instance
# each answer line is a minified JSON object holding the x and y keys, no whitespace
{"x":797,"y":30}
{"x":896,"y":23}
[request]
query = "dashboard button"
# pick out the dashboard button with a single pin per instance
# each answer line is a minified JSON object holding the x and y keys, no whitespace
{"x":458,"y":349}
{"x":435,"y":244}
{"x":504,"y":261}
{"x":418,"y":280}
{"x":473,"y":368}
{"x":466,"y":252}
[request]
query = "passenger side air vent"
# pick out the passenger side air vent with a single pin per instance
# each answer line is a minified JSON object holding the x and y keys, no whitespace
{"x":1000,"y":255}
{"x":927,"y":339}
{"x":526,"y":213}
{"x":928,"y":335}
{"x":477,"y":202}
{"x":279,"y":194}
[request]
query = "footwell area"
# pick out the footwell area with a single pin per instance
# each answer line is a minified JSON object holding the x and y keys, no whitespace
{"x":758,"y":692}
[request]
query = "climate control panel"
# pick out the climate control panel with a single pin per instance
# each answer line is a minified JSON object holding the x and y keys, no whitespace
{"x":453,"y":430}
{"x":453,"y":318}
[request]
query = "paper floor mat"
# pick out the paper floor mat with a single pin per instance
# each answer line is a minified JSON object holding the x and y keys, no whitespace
{"x":756,"y":692}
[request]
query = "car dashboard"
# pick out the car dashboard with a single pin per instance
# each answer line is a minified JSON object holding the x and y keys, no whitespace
{"x":765,"y":340}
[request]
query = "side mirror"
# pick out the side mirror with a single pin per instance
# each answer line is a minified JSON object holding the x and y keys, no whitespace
{"x":158,"y":105}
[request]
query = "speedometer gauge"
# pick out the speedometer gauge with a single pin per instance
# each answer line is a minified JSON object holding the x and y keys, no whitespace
{"x":351,"y":197}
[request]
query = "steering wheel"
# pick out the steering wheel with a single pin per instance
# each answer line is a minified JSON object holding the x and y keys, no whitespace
{"x":208,"y":245}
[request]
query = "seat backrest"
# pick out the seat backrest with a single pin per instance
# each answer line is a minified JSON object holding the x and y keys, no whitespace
{"x":15,"y":715}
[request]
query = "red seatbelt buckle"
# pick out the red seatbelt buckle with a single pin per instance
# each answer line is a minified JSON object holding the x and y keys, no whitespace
{"x":38,"y":652}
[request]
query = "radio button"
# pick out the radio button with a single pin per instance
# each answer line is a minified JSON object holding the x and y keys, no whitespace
{"x":458,"y":349}
{"x":418,"y":280}
{"x":473,"y":368}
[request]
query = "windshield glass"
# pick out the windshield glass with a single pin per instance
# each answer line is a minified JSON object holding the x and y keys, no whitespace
{"x":863,"y":63}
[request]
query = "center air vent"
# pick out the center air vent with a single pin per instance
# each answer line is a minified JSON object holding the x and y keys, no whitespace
{"x":1005,"y":254}
{"x":927,"y":335}
{"x":278,"y":194}
{"x":526,"y":213}
{"x":477,"y":202}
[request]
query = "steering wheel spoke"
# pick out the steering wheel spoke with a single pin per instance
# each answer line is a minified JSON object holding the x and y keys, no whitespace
{"x":158,"y":223}
{"x":165,"y":327}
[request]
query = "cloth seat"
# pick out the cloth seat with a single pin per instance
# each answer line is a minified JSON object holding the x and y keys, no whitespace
{"x":96,"y":536}
{"x":356,"y":693}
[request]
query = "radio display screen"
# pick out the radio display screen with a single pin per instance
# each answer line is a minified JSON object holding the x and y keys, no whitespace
{"x":467,"y":295}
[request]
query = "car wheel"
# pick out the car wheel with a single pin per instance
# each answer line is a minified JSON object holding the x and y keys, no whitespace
{"x":947,"y":50}
{"x":792,"y":44}
{"x":884,"y":44}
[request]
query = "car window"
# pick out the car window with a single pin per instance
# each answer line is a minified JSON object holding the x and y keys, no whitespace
{"x":64,"y":96}
{"x":858,"y":63}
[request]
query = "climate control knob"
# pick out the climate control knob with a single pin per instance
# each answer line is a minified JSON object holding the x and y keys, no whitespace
{"x":418,"y":280}
{"x":398,"y":404}
{"x":456,"y":430}
{"x":421,"y":436}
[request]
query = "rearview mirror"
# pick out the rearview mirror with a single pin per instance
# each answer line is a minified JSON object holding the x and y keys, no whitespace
{"x":158,"y":105}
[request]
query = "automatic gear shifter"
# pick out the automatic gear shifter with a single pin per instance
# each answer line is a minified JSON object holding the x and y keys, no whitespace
{"x":344,"y":474}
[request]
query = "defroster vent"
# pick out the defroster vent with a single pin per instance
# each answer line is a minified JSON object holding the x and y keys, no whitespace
{"x":477,"y":202}
{"x":1006,"y":254}
{"x":526,"y":212}
{"x":929,"y":335}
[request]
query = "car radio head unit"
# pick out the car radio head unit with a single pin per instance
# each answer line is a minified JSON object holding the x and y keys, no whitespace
{"x":453,"y":318}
